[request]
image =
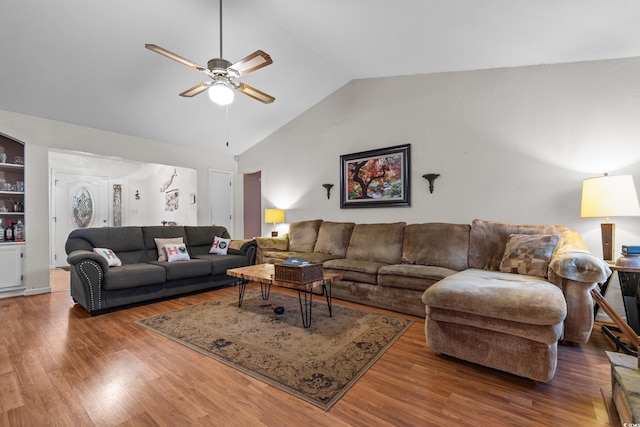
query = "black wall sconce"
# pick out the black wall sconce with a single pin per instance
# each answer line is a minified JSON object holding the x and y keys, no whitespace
{"x":430,"y":177}
{"x":328,"y":187}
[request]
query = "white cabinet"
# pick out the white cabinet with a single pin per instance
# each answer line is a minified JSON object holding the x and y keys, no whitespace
{"x":12,"y":269}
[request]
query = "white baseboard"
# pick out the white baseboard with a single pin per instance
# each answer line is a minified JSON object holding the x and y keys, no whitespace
{"x":37,"y":291}
{"x":12,"y":293}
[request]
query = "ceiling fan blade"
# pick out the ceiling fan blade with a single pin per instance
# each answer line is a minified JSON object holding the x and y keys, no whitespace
{"x":255,"y":61}
{"x":255,"y":93}
{"x":171,"y":55}
{"x":199,"y":88}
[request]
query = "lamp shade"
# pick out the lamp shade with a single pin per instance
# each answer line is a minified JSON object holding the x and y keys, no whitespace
{"x":608,"y":196}
{"x":274,"y":216}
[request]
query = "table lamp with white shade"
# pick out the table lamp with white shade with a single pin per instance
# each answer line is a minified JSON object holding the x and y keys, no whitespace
{"x":609,"y":196}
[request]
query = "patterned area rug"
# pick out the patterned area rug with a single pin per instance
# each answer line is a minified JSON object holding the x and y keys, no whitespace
{"x":318,"y":364}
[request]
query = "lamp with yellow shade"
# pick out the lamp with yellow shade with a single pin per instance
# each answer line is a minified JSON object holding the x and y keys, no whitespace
{"x":609,"y":196}
{"x":274,"y":216}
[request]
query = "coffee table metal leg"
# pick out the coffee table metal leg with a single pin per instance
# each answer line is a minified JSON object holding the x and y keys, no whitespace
{"x":327,"y":293}
{"x":306,"y":310}
{"x":242,"y":286}
{"x":266,"y":290}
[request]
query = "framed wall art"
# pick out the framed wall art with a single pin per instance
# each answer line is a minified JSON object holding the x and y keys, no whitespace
{"x":376,"y":178}
{"x":117,"y":205}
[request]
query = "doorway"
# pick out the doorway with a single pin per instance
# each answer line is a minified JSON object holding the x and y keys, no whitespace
{"x":252,"y":205}
{"x":221,"y":199}
{"x":80,"y":201}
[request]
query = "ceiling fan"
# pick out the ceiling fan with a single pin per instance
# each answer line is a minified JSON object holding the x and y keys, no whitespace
{"x":223,"y":74}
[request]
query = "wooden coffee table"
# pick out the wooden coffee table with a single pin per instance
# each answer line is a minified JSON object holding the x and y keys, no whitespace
{"x":265,"y":275}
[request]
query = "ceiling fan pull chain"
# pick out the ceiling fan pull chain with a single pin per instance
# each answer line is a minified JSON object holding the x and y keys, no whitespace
{"x":227,"y":124}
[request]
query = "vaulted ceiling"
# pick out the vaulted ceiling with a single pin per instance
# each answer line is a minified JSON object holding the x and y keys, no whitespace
{"x":84,"y":62}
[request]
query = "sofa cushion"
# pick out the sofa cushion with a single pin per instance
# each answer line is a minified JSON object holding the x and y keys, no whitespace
{"x":133,"y":275}
{"x":547,"y":334}
{"x":185,"y":269}
{"x":276,"y":257}
{"x":199,"y":238}
{"x":438,"y":244}
{"x":303,"y":235}
{"x":488,"y":240}
{"x":411,"y":276}
{"x":528,"y":254}
{"x":515,"y":297}
{"x":126,"y":242}
{"x":380,"y":243}
{"x":151,"y":232}
{"x":333,"y":238}
{"x":354,"y":270}
{"x":220,"y":264}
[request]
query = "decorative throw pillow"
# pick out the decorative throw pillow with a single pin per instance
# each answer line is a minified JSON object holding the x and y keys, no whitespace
{"x":109,"y":255}
{"x":176,"y":252}
{"x":162,"y":256}
{"x":219,"y":246}
{"x":528,"y":254}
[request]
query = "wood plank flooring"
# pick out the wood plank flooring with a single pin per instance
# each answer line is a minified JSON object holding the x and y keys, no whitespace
{"x":59,"y":366}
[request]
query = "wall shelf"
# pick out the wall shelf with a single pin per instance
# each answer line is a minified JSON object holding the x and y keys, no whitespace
{"x":11,"y":179}
{"x":12,"y":253}
{"x":11,"y":167}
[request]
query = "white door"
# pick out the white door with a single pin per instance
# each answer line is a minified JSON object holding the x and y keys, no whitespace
{"x":221,"y":199}
{"x":79,"y":201}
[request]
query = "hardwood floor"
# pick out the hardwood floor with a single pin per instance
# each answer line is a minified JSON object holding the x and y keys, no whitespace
{"x":59,"y":366}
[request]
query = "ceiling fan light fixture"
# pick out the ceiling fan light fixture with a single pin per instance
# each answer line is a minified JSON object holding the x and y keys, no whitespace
{"x":223,"y":73}
{"x":221,"y":94}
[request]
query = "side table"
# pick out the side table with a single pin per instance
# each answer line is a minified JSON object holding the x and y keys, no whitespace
{"x":629,"y":279}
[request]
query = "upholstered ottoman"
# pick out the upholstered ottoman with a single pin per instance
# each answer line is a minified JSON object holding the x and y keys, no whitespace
{"x":505,"y":321}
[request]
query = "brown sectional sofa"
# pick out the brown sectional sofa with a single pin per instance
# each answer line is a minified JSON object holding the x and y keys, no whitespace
{"x":383,"y":265}
{"x":453,"y":270}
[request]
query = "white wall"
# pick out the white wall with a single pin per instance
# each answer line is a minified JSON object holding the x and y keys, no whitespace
{"x":510,"y":144}
{"x":158,"y":210}
{"x":41,"y":135}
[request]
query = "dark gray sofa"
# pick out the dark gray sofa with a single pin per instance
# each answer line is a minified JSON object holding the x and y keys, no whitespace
{"x":98,"y":287}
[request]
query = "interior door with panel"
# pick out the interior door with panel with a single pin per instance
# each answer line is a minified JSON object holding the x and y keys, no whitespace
{"x":221,"y":199}
{"x":80,"y":201}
